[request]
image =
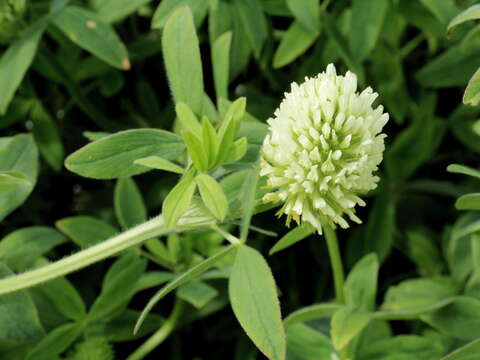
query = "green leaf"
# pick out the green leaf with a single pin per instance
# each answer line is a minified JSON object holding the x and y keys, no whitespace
{"x":197,"y":293}
{"x":347,"y":323}
{"x":239,"y":149}
{"x":212,"y":195}
{"x":472,"y":92}
{"x":247,"y":197}
{"x":470,"y":351}
{"x":253,"y":20}
{"x":18,"y":171}
{"x":453,"y":67}
{"x":295,"y":41}
{"x":16,"y":60}
{"x":119,"y":285}
{"x":307,"y":13}
{"x":182,"y":58}
{"x":196,"y":150}
{"x":56,"y":342}
{"x":177,"y":201}
{"x":458,"y":249}
{"x":47,"y":136}
{"x":14,"y":189}
{"x":62,"y":293}
{"x":19,"y":154}
{"x":312,"y":312}
{"x":114,"y":10}
{"x":292,"y":237}
{"x":167,"y":7}
{"x":461,"y":169}
{"x":85,"y":29}
{"x":366,"y":24}
{"x":405,"y":347}
{"x":460,"y":318}
{"x":229,"y":128}
{"x":180,"y":280}
{"x":128,"y":203}
{"x":113,"y":156}
{"x":361,"y":284}
{"x":471,"y":13}
{"x":188,"y":119}
{"x":210,"y":141}
{"x":417,"y":296}
{"x":468,"y":202}
{"x":424,"y":252}
{"x":18,"y":316}
{"x":380,"y":227}
{"x":341,"y":44}
{"x":307,"y":343}
{"x":159,"y":163}
{"x":85,"y":231}
{"x":221,"y":64}
{"x":22,"y":247}
{"x":253,"y":296}
{"x":120,"y":327}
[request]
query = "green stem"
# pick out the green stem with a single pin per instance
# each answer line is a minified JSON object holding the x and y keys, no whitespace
{"x":336,"y":261}
{"x":112,"y":246}
{"x":160,"y":335}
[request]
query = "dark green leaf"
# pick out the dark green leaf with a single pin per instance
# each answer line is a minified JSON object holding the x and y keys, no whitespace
{"x":294,"y":43}
{"x":119,"y":285}
{"x":367,"y":21}
{"x":114,"y":10}
{"x":307,"y":12}
{"x":16,"y":61}
{"x":190,"y":274}
{"x":88,"y":31}
{"x":21,"y":248}
{"x":254,"y":23}
{"x":18,"y":316}
{"x":47,"y":136}
{"x":55,"y":342}
{"x":467,"y":352}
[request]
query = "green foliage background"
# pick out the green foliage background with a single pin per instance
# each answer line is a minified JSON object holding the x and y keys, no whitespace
{"x":72,"y":72}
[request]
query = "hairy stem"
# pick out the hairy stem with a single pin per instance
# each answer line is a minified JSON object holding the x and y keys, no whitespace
{"x":112,"y":246}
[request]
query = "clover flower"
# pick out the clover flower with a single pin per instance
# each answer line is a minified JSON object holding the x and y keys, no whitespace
{"x":322,"y":150}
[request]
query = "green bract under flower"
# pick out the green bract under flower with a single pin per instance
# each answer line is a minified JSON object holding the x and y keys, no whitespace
{"x":324,"y":145}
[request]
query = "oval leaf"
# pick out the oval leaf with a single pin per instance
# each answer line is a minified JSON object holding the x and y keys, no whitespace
{"x":253,"y":295}
{"x":113,"y":156}
{"x":177,"y":201}
{"x":128,"y":201}
{"x":212,"y":195}
{"x":86,"y":30}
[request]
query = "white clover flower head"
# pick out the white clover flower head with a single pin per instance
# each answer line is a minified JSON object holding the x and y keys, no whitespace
{"x":322,"y":150}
